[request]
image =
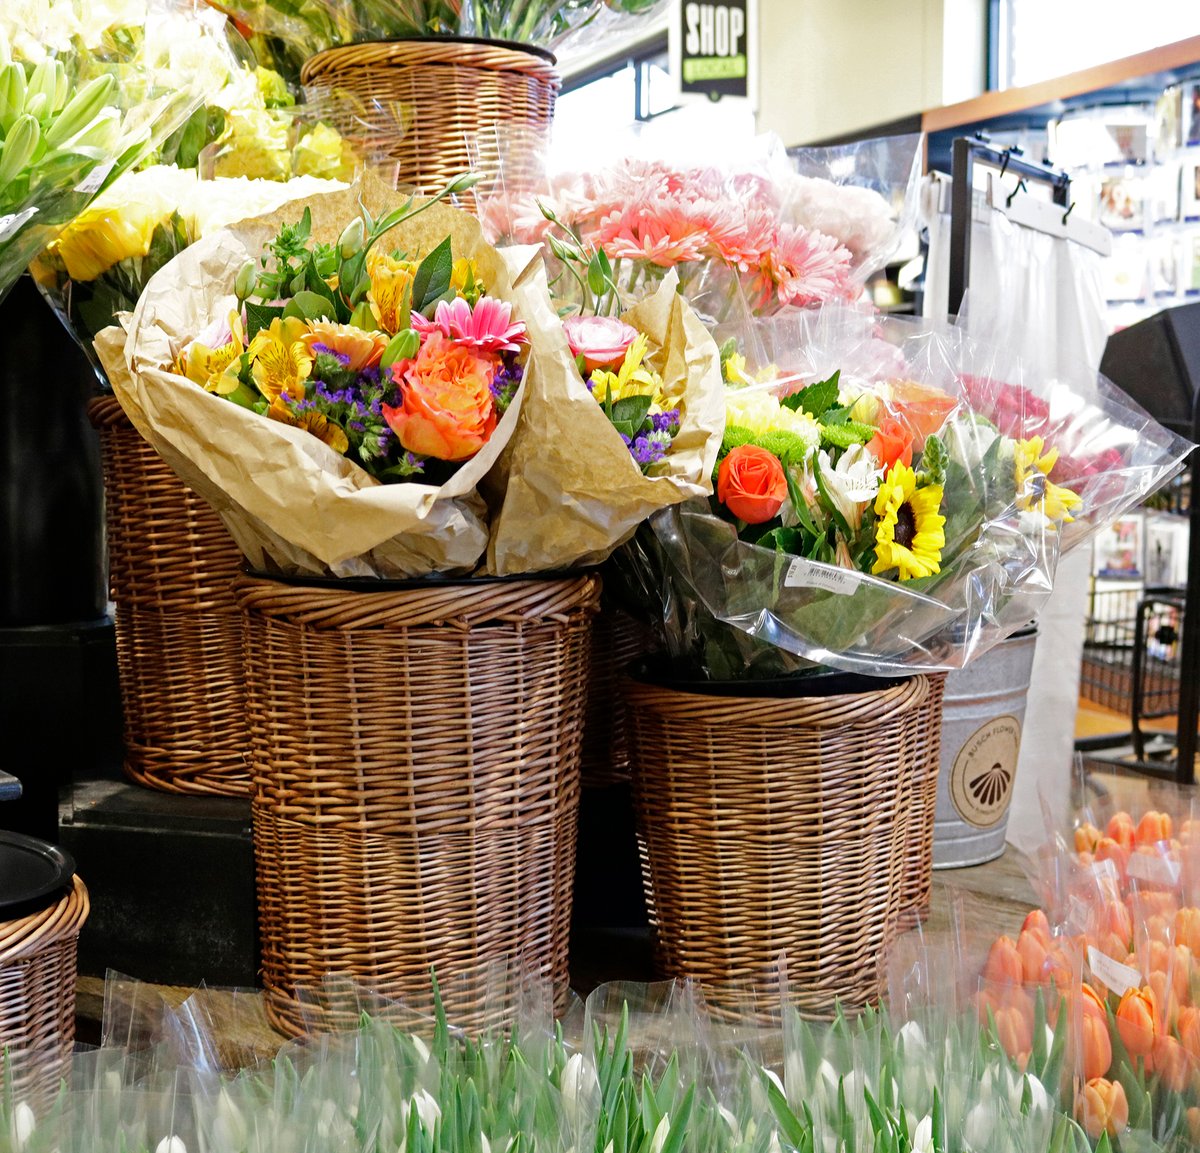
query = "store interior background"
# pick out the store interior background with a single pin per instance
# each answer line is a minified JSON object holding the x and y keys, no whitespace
{"x":841,"y":70}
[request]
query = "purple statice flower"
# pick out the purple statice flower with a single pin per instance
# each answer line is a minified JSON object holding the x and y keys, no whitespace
{"x":665,"y":421}
{"x":341,"y":357}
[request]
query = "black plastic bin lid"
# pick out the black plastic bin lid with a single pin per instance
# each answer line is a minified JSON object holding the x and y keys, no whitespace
{"x":821,"y":682}
{"x":33,"y":874}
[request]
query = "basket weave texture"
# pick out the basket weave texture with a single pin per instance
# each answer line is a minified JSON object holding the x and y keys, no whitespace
{"x":617,"y":641}
{"x":37,"y":996}
{"x":918,"y":888}
{"x":418,"y":103}
{"x":778,"y":827}
{"x":179,"y":632}
{"x":415,"y":759}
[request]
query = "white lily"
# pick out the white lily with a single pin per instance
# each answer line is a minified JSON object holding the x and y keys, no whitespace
{"x":852,"y":483}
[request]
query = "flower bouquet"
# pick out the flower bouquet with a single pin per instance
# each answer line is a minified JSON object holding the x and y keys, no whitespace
{"x":85,"y":96}
{"x":340,"y":353}
{"x":898,"y":512}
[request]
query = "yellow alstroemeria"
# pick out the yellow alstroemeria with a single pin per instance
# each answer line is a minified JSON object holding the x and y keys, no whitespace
{"x":389,"y":279}
{"x":311,"y":421}
{"x":1035,"y":491}
{"x":633,"y":378}
{"x":279,"y":360}
{"x":464,"y":279}
{"x":910,"y":532}
{"x":214,"y":369}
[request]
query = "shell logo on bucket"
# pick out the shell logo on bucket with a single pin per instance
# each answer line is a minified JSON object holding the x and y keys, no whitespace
{"x":981,"y":780}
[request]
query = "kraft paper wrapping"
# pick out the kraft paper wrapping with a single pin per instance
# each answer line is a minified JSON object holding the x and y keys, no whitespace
{"x":573,"y":491}
{"x":292,"y":504}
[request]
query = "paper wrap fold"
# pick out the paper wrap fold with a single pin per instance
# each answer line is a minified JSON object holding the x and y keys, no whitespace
{"x":292,"y":504}
{"x":573,"y":491}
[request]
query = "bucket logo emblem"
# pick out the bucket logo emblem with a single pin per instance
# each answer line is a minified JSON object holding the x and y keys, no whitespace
{"x":981,"y":779}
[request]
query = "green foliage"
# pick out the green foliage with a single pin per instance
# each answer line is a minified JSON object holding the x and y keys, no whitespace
{"x":816,"y":399}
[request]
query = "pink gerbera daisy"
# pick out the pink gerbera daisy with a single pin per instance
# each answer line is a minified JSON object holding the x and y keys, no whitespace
{"x":808,"y":267}
{"x":488,"y":326}
{"x":663,"y":238}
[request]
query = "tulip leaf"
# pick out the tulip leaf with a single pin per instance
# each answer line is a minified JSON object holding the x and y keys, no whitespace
{"x":432,"y":278}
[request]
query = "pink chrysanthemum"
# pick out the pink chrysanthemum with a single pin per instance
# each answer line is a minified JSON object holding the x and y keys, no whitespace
{"x":808,"y":267}
{"x":488,"y":327}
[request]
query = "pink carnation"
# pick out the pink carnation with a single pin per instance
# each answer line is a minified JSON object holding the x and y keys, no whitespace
{"x":600,"y":340}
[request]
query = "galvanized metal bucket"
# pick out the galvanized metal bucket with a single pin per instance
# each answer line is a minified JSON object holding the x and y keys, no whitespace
{"x":982,"y":717}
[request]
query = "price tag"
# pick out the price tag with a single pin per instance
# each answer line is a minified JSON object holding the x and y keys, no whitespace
{"x":10,"y":224}
{"x":1119,"y":978}
{"x":1154,"y":869}
{"x":809,"y":574}
{"x":94,"y":179}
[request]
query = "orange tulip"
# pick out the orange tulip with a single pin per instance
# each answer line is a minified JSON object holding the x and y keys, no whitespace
{"x":1109,"y":849}
{"x":1161,"y":903}
{"x":1035,"y":922}
{"x":1187,"y":927}
{"x":1171,"y":1063}
{"x":1116,"y":919}
{"x":1087,"y":837}
{"x":1003,"y":965}
{"x":1102,"y":1108}
{"x":1168,"y":1003}
{"x":1193,"y":1124}
{"x":1096,"y":1057}
{"x":1031,"y":948}
{"x":1121,"y":829}
{"x":1189,"y":1030}
{"x":1174,"y":964}
{"x":1152,"y":828}
{"x":1014,"y":1027}
{"x":1138,"y":1021}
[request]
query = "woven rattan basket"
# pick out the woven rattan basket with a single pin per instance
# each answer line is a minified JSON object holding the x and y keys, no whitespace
{"x":918,"y":887}
{"x":415,"y":756}
{"x":37,"y":996}
{"x":617,"y":641}
{"x":420,"y":104}
{"x":179,"y":632}
{"x":778,"y":827}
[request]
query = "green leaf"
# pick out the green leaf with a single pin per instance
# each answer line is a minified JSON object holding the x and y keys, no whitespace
{"x":838,"y":415}
{"x":259,"y":316}
{"x":792,"y":1127}
{"x":793,"y":540}
{"x":631,"y":410}
{"x":432,"y":278}
{"x":310,"y":306}
{"x":816,"y":399}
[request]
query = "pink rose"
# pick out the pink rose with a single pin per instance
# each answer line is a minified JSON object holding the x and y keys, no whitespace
{"x":600,"y":340}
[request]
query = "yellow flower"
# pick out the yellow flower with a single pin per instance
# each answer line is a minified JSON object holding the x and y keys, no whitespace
{"x":464,"y":279}
{"x":279,"y":360}
{"x":103,"y":236}
{"x":909,"y":533}
{"x":633,"y":378}
{"x":311,"y":421}
{"x":215,"y":369}
{"x":735,"y":368}
{"x":390,"y":278}
{"x":322,"y":152}
{"x":1035,"y":491}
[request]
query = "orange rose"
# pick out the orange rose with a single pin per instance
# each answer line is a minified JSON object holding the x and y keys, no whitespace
{"x":892,"y":442}
{"x":1138,"y":1021}
{"x":921,"y":408}
{"x":751,"y":484}
{"x":1102,"y":1108}
{"x":447,"y":410}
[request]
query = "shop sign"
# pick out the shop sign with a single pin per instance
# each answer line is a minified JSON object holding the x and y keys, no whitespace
{"x":714,"y":48}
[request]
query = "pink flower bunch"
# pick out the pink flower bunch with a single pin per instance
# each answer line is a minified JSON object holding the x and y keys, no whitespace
{"x":693,"y":220}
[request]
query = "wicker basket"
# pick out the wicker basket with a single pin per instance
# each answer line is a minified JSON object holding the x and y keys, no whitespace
{"x":918,"y":887}
{"x":415,"y":756}
{"x":778,"y":827}
{"x":617,"y":641}
{"x":179,"y":632}
{"x":37,"y":996}
{"x":417,"y":103}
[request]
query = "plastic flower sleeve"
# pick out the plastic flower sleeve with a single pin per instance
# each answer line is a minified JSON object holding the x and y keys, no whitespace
{"x":83,"y":100}
{"x":1019,"y":473}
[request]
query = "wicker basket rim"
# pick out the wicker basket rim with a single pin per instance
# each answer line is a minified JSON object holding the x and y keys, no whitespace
{"x":543,"y":60}
{"x":403,"y":584}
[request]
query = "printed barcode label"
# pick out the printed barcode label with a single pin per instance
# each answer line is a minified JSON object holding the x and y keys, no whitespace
{"x":12,"y":222}
{"x":1154,"y":869}
{"x":1119,"y":978}
{"x":92,"y":181}
{"x":803,"y":573}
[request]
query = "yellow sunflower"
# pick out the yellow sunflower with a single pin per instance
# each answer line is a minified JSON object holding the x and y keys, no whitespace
{"x":311,"y":421}
{"x":1035,"y":491}
{"x":279,"y":360}
{"x":909,"y":533}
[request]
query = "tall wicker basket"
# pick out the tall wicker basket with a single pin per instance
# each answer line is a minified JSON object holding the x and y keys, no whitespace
{"x":179,"y":632}
{"x":778,"y":826}
{"x":417,"y":103}
{"x":37,"y":996}
{"x":415,"y":756}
